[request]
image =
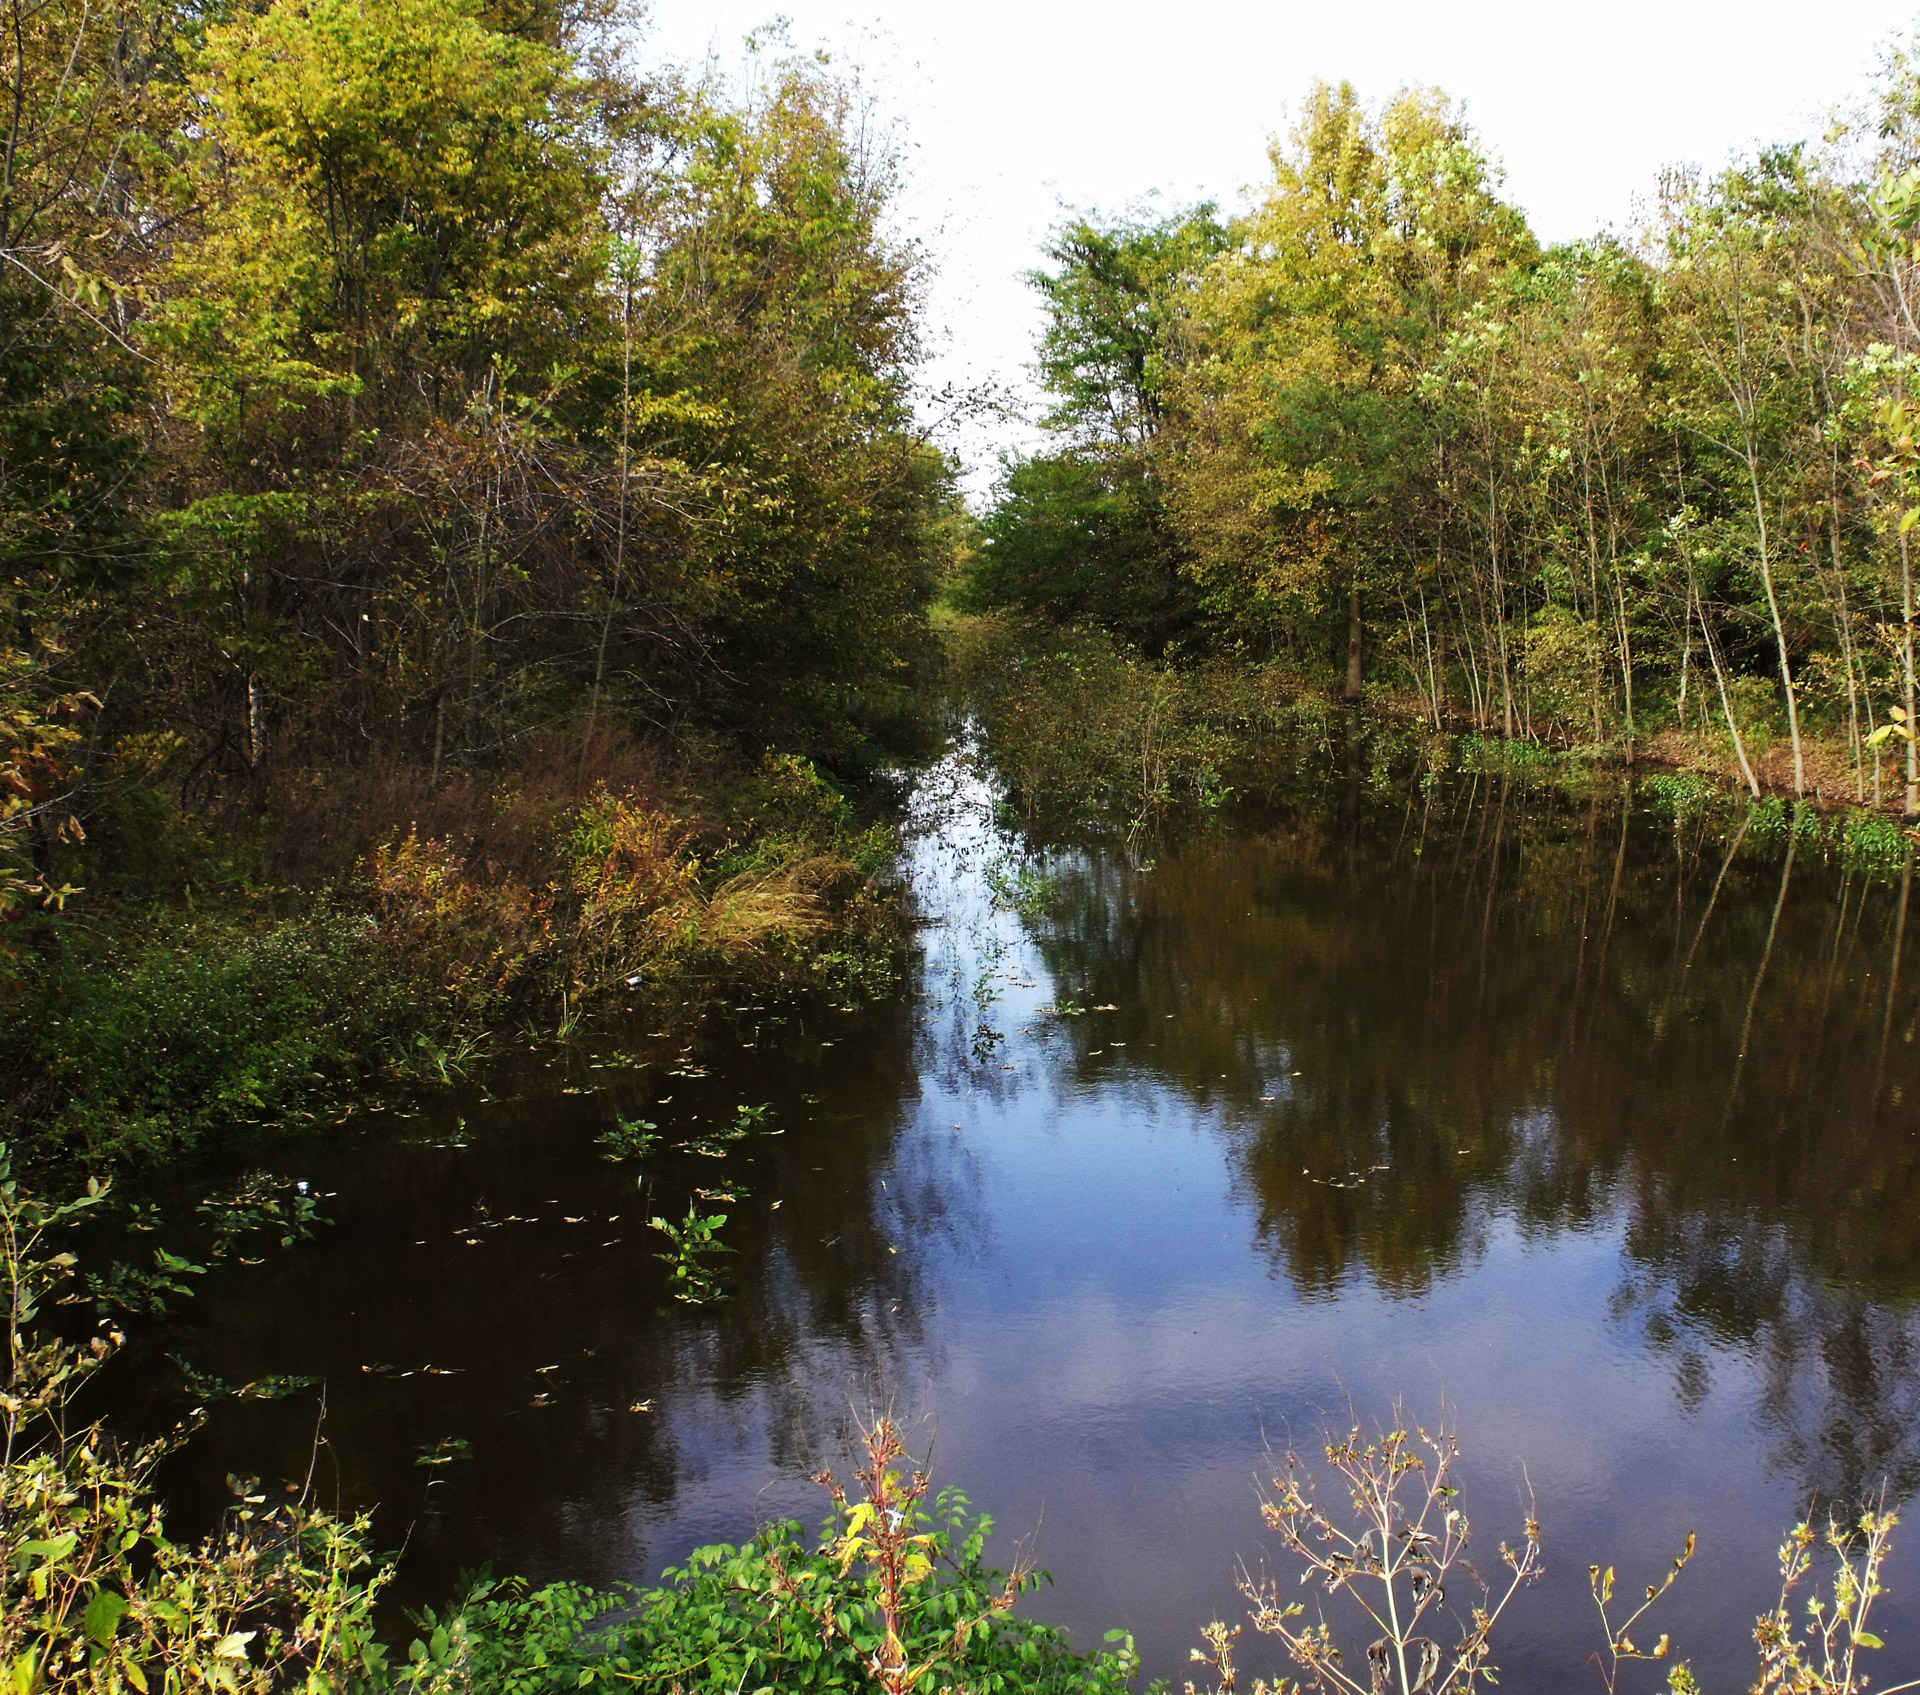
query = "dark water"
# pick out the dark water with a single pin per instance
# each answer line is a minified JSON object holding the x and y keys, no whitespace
{"x":1548,"y":1111}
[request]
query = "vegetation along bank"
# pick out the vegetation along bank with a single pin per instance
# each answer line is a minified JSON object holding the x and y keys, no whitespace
{"x":463,"y":540}
{"x":1647,"y":495}
{"x":468,"y":553}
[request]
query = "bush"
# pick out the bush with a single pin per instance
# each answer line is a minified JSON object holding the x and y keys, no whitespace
{"x":119,"y":1045}
{"x":94,"y":1595}
{"x":893,"y":1598}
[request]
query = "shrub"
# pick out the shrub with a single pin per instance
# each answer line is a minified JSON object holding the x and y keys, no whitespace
{"x":895,"y":1596}
{"x":142,"y":1044}
{"x":94,"y":1595}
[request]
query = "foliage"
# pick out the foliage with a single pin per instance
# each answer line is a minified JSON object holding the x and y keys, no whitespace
{"x":895,"y":1596}
{"x":1408,"y":1540}
{"x":629,"y":1138}
{"x":139,"y":1040}
{"x":141,"y":1044}
{"x":1081,"y":533}
{"x":423,"y":399}
{"x":1655,"y":490}
{"x":1078,"y":727}
{"x":691,"y":1243}
{"x":94,"y":1595}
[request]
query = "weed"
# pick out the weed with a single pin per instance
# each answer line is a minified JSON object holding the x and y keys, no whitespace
{"x":1873,"y":844}
{"x":1400,"y":1541}
{"x":694,"y":1239}
{"x":1684,"y":796}
{"x":894,"y":1595}
{"x":1026,"y":892}
{"x":93,"y":1594}
{"x":629,"y":1138}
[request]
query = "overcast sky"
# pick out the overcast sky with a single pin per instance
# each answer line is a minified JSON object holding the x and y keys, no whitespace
{"x":1013,"y":108}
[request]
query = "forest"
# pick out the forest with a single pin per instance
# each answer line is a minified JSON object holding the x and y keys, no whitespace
{"x":1647,"y":495}
{"x":476,"y":560}
{"x":454,"y":485}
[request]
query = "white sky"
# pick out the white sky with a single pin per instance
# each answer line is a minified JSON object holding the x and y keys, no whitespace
{"x":1014,"y":108}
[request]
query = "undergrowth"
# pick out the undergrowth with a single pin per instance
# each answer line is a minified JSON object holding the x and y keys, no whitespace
{"x":137,"y":1029}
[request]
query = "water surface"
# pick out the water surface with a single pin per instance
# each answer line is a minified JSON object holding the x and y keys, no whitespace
{"x":1593,"y":1128}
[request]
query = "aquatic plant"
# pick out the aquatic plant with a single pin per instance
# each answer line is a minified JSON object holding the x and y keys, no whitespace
{"x":693,"y":1239}
{"x":1025,"y":891}
{"x":629,"y":1138}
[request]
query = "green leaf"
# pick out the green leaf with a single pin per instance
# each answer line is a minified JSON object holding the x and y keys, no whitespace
{"x":103,"y":1615}
{"x":54,"y":1551}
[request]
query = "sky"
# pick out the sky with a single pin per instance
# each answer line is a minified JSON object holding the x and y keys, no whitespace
{"x":1011,"y":110}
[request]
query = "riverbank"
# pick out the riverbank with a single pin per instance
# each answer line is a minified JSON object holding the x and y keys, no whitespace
{"x":1083,"y":730}
{"x":366,"y":936}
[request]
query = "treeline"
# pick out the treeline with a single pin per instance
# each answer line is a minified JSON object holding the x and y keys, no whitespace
{"x":1624,"y":494}
{"x":392,"y":391}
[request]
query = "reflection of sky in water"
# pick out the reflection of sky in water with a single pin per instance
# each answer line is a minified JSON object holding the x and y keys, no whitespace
{"x":1108,"y":1256}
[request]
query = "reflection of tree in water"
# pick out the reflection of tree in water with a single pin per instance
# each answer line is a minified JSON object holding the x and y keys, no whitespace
{"x":547,"y":1348}
{"x":1503,"y":1002}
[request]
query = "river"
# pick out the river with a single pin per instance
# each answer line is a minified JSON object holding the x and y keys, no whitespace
{"x":1589,"y":1130}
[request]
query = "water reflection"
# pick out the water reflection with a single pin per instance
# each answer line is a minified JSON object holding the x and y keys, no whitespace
{"x":1560,"y":1013}
{"x":490,"y":1279}
{"x":1597,"y":1125}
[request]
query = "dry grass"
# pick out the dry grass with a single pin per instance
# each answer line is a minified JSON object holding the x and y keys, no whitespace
{"x":537,"y":889}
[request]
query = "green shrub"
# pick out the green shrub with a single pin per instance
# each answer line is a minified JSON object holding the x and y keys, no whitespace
{"x":143,"y":1045}
{"x":746,"y":1620}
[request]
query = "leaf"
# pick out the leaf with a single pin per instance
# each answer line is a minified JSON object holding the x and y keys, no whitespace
{"x":53,"y":1551}
{"x":233,"y":1646}
{"x":1867,"y":1639}
{"x":103,"y":1615}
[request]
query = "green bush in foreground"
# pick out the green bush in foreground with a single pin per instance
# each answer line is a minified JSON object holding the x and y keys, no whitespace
{"x":755,"y":1618}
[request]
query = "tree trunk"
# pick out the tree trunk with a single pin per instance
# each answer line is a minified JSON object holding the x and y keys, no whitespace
{"x":1355,"y":633}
